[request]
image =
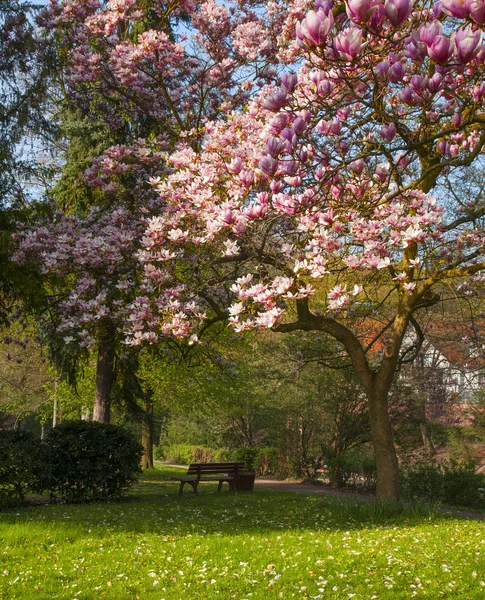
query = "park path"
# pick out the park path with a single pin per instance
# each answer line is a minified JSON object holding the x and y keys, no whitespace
{"x":299,"y":487}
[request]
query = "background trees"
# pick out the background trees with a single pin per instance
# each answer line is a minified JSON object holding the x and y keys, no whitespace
{"x":136,"y":78}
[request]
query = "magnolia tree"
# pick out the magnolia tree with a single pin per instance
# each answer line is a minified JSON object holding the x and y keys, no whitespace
{"x":321,"y":206}
{"x":132,"y":65}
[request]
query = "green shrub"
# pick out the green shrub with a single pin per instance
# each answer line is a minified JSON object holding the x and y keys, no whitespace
{"x":266,"y":462}
{"x":224,"y":455}
{"x":179,"y":454}
{"x":184,"y":454}
{"x":203,"y":455}
{"x":248,"y":456}
{"x":352,"y":469}
{"x":159,"y":452}
{"x":92,"y":461}
{"x":24,"y":466}
{"x":453,"y":483}
{"x":368,"y":478}
{"x":344,"y":469}
{"x":462,"y":486}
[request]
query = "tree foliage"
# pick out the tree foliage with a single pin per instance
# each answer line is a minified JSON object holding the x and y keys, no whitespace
{"x":320,"y":206}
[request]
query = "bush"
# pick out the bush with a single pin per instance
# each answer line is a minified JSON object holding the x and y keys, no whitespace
{"x":159,"y":452}
{"x":92,"y":461}
{"x":352,"y":469}
{"x":453,"y":483}
{"x":224,"y":455}
{"x":343,"y":469}
{"x":369,"y":473}
{"x":24,"y":466}
{"x":266,"y":462}
{"x":203,"y":455}
{"x":184,"y":454}
{"x":248,"y":456}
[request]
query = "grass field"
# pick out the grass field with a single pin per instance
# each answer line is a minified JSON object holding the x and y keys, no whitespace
{"x":260,"y":545}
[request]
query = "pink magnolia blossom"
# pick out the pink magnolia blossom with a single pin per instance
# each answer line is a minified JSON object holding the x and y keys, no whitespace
{"x":440,"y":49}
{"x":477,"y":10}
{"x":455,"y":8}
{"x":314,"y":28}
{"x":467,"y":43}
{"x":361,"y":11}
{"x":397,"y":11}
{"x":349,"y":42}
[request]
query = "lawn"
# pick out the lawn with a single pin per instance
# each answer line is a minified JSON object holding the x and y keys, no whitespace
{"x":260,"y":545}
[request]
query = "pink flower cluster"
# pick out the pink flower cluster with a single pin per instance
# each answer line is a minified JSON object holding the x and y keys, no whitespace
{"x":328,"y":174}
{"x":89,"y":266}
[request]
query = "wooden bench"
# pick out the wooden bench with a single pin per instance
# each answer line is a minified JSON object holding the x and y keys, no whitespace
{"x":220,"y":472}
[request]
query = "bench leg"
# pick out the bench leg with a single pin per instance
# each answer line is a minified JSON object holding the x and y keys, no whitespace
{"x":232,"y":486}
{"x":194,"y":485}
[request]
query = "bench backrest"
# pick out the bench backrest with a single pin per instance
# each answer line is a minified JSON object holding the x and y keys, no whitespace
{"x":227,"y":468}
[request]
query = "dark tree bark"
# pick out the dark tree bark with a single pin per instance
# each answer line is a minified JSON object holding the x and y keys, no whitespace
{"x":383,"y":444}
{"x":147,"y":436}
{"x":104,"y":374}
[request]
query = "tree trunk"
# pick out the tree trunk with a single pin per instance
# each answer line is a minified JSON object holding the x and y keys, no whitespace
{"x":104,"y":375}
{"x":427,"y":442}
{"x":54,"y":413}
{"x":384,"y":450}
{"x":147,"y":437}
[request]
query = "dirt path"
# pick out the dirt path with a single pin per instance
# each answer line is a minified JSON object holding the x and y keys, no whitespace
{"x":308,"y":488}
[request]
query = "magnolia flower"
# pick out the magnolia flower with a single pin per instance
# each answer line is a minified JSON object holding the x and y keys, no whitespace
{"x":282,"y":284}
{"x":357,"y":166}
{"x":383,"y":263}
{"x":467,"y":43}
{"x":231,"y":248}
{"x":397,"y":11}
{"x":477,"y":10}
{"x":337,"y":291}
{"x":361,"y":11}
{"x":455,"y":8}
{"x":440,"y":49}
{"x":388,"y":132}
{"x":289,"y":81}
{"x":268,"y":165}
{"x":382,"y":171}
{"x":175,"y":235}
{"x":276,"y":100}
{"x":349,"y":42}
{"x":314,"y":28}
{"x":235,"y":166}
{"x":340,"y":303}
{"x":269,"y":318}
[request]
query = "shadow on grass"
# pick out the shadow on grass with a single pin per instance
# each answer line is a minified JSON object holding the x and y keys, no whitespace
{"x":154,"y":507}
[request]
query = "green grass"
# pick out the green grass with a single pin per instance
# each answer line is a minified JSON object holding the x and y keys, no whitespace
{"x":261,"y":545}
